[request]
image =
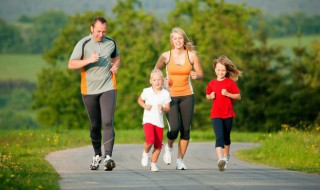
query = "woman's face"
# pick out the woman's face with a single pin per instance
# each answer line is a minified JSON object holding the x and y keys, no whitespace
{"x":221,"y":71}
{"x":177,"y":41}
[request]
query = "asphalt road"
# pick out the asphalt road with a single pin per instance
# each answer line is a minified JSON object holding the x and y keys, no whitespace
{"x":202,"y":173}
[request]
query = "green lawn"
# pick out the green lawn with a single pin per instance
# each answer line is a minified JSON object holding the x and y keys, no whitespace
{"x":290,"y":149}
{"x":21,"y":66}
{"x":293,"y":41}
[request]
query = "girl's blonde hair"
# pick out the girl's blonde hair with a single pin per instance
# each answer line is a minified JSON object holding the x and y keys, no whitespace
{"x":156,"y":71}
{"x":187,"y":42}
{"x":232,"y":72}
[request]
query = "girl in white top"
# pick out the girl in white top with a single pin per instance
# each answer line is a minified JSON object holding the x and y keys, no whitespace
{"x":155,"y":100}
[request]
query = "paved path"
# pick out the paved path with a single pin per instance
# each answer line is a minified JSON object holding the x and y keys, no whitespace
{"x":202,"y":173}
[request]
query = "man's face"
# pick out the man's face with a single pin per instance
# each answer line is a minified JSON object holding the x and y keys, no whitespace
{"x":98,"y":31}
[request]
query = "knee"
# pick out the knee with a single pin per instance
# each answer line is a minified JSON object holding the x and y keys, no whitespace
{"x":107,"y":122}
{"x":185,"y":135}
{"x":173,"y":134}
{"x":219,"y":141}
{"x":150,"y":140}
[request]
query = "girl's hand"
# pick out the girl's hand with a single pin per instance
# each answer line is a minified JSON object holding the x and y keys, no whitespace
{"x":147,"y":107}
{"x":213,"y":95}
{"x":160,"y":107}
{"x":224,"y":92}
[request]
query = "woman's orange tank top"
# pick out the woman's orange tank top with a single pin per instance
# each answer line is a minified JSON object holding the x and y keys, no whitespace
{"x":179,"y":77}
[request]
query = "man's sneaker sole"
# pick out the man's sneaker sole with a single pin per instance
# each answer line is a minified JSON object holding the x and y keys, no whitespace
{"x":94,"y":167}
{"x":110,"y":165}
{"x":221,"y":165}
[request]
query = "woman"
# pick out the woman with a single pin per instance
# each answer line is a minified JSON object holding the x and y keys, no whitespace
{"x":179,"y":62}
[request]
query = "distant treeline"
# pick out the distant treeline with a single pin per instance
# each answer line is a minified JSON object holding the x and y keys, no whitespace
{"x":37,"y":34}
{"x":286,"y":25}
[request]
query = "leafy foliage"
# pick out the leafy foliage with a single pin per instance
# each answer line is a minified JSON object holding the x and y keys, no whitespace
{"x":274,"y":87}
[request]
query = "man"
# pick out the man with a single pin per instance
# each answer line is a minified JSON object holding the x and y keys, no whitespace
{"x":98,"y":58}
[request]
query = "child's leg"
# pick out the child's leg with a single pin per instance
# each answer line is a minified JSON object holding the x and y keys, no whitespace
{"x":155,"y":155}
{"x":218,"y":131}
{"x":227,"y":125}
{"x":149,"y":135}
{"x":219,"y":151}
{"x":158,"y":135}
{"x":226,"y":151}
{"x":147,"y":147}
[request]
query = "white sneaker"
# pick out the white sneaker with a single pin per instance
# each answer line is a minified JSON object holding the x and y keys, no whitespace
{"x":145,"y":159}
{"x":109,"y":164}
{"x":222,"y":164}
{"x":95,"y":162}
{"x":227,"y":159}
{"x":153,"y":167}
{"x":167,"y":155}
{"x":180,"y":165}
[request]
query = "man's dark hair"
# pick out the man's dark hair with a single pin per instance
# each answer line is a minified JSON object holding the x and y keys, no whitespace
{"x":100,"y":19}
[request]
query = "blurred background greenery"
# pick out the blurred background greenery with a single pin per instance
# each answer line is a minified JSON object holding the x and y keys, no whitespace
{"x":275,"y":43}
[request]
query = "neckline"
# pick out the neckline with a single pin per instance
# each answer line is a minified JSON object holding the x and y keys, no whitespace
{"x":173,"y":58}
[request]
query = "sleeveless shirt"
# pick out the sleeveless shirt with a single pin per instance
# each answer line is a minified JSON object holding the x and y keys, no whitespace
{"x":179,"y":77}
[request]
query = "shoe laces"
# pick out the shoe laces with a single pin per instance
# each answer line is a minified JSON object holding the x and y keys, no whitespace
{"x":96,"y":160}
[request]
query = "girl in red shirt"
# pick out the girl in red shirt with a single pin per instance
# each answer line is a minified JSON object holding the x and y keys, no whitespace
{"x":222,"y":91}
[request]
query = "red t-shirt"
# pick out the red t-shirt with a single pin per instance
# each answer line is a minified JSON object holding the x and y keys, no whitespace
{"x":222,"y":106}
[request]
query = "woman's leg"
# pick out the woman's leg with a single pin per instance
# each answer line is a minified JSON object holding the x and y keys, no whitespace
{"x":186,"y":111}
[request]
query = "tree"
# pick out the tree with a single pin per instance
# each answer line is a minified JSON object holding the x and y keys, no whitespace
{"x":9,"y":38}
{"x":264,"y":101}
{"x":304,"y":96}
{"x":46,"y":27}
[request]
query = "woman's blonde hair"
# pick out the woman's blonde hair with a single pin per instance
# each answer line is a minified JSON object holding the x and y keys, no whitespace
{"x":187,"y":42}
{"x":232,"y":72}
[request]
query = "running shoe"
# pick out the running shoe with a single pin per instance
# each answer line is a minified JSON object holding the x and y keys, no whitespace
{"x":153,"y":167}
{"x":221,"y":164}
{"x":227,"y":159}
{"x":109,"y":164}
{"x":95,"y":162}
{"x":145,"y":159}
{"x":167,"y":155}
{"x":180,"y":165}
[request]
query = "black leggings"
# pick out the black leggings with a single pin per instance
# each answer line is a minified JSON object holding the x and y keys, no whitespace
{"x":222,"y":130}
{"x":180,"y":117}
{"x":100,"y":109}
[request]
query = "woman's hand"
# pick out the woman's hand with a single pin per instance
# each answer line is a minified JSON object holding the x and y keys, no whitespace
{"x":194,"y":75}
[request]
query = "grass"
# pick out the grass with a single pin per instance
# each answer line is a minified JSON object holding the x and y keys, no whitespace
{"x":23,"y":164}
{"x":21,"y":66}
{"x":290,"y":149}
{"x":22,"y":154}
{"x":292,"y":41}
